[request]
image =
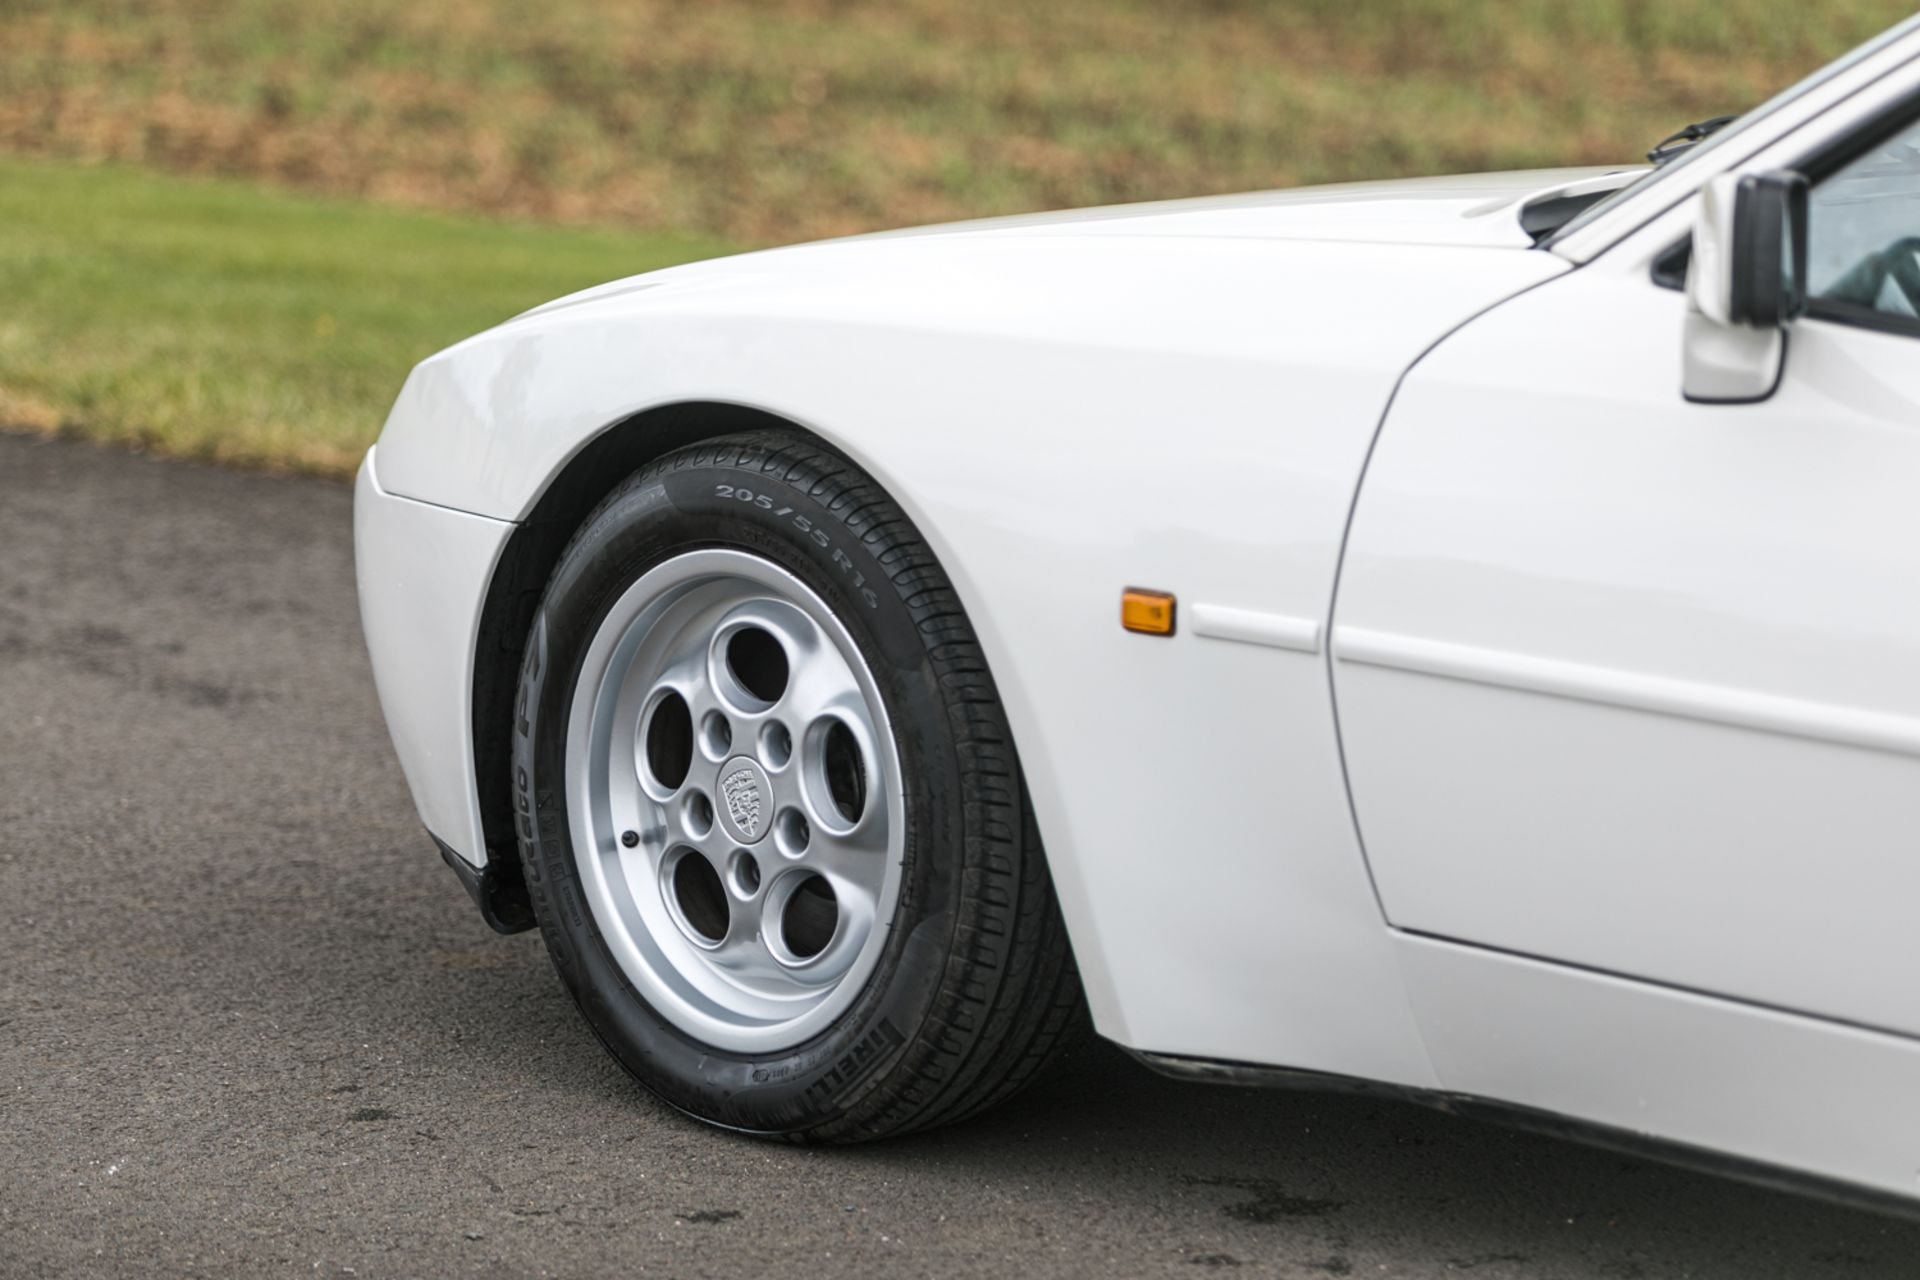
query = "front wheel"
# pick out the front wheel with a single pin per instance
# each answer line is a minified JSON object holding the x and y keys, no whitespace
{"x":772,"y":821}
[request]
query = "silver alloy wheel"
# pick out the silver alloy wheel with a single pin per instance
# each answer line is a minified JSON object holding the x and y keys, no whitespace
{"x":735,"y":798}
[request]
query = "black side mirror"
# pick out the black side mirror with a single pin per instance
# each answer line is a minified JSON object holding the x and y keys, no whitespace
{"x":1768,"y":267}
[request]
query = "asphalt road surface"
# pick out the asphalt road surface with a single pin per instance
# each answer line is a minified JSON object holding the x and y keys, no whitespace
{"x":250,"y":1025}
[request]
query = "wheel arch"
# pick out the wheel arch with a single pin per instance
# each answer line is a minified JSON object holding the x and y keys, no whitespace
{"x":513,"y":597}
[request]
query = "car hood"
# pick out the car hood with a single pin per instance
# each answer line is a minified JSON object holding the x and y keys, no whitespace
{"x":1476,"y":209}
{"x":1480,"y":210}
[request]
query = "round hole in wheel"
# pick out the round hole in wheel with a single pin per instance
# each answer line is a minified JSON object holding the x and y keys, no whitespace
{"x":758,"y":662}
{"x":846,"y":773}
{"x":670,"y":741}
{"x":807,"y":920}
{"x":701,"y":897}
{"x":746,"y":873}
{"x":716,"y":735}
{"x":699,"y":815}
{"x":776,"y":745}
{"x":791,"y":833}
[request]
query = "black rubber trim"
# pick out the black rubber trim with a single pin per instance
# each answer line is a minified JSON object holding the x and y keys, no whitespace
{"x":502,"y":899}
{"x":1547,"y":1123}
{"x":1670,"y":267}
{"x":1769,"y":300}
{"x":1858,"y":317}
{"x":1544,"y":215}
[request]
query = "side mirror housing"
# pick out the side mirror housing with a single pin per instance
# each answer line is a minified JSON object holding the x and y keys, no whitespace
{"x":1746,"y":281}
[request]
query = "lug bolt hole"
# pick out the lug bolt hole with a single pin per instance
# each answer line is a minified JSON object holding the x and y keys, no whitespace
{"x":716,"y":735}
{"x":791,"y":832}
{"x":746,"y":873}
{"x":776,"y":745}
{"x":698,"y":814}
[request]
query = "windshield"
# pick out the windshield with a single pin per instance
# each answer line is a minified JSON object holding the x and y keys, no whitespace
{"x":1721,"y":137}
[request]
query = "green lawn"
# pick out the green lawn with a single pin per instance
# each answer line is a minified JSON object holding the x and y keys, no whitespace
{"x":214,"y":319}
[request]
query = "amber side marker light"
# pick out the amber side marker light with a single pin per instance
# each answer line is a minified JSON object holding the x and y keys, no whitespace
{"x":1148,"y":612}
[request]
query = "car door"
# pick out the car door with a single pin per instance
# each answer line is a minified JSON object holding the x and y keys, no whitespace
{"x":1632,"y":683}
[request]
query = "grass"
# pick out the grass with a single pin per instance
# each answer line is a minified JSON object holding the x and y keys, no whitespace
{"x":212,"y":319}
{"x":775,"y":120}
{"x":216,"y":318}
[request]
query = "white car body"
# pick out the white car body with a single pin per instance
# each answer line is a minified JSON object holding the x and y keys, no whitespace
{"x":1529,"y":734}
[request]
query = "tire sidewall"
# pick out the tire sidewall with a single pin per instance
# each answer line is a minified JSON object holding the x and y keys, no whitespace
{"x":724,"y":498}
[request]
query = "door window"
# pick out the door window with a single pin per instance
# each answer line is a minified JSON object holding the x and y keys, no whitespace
{"x":1863,"y":237}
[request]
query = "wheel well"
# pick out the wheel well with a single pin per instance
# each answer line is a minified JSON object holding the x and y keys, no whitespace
{"x":520,"y":579}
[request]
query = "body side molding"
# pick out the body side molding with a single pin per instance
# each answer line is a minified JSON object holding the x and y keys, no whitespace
{"x":1251,"y":626}
{"x":1687,"y":699}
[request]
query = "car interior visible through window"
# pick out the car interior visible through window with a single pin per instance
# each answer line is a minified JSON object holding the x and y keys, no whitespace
{"x":1863,"y":250}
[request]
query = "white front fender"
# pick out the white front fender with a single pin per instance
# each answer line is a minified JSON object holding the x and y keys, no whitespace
{"x":1063,"y":418}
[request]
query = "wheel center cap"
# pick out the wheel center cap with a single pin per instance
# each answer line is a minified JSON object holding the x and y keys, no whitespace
{"x":746,"y":800}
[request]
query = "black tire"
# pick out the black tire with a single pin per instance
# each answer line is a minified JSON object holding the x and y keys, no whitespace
{"x":976,"y":988}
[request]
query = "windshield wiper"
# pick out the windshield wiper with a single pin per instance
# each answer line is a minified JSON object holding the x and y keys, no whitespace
{"x":1673,"y":144}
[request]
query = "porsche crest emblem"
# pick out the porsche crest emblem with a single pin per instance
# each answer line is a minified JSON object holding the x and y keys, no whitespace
{"x":742,"y":793}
